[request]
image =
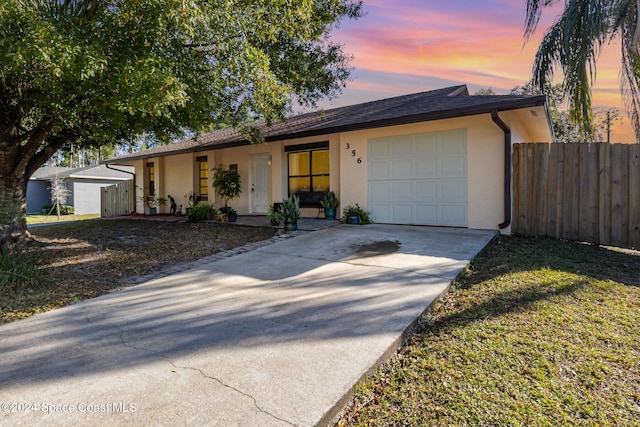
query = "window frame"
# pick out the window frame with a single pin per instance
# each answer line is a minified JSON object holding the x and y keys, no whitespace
{"x":203,"y":160}
{"x":151,"y":178}
{"x":311,"y":149}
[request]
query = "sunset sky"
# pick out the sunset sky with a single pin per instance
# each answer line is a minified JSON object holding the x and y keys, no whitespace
{"x":406,"y":46}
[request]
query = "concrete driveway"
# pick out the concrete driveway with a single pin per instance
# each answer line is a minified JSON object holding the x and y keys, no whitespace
{"x":273,"y":337}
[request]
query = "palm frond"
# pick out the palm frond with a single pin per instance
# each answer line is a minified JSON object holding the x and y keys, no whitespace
{"x":573,"y":44}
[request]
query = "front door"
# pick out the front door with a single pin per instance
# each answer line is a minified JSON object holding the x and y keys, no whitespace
{"x":260,"y":184}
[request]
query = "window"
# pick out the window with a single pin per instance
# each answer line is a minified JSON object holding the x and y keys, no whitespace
{"x":308,"y":169}
{"x":151,"y":173}
{"x":203,"y":177}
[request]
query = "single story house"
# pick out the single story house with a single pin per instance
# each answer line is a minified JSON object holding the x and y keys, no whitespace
{"x":440,"y":157}
{"x":84,"y":186}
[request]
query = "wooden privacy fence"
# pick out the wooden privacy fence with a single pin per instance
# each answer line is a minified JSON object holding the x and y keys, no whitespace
{"x":118,"y":199}
{"x":585,"y":192}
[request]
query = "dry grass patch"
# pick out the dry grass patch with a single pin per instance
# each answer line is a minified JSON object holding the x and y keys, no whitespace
{"x":88,"y":258}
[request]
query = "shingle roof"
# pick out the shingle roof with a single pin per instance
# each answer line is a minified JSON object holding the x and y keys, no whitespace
{"x":449,"y":102}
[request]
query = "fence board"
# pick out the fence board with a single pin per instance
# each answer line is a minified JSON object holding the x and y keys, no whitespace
{"x":587,"y":192}
{"x":588,"y":203}
{"x":539,"y":189}
{"x":515,"y":187}
{"x":118,"y":199}
{"x":570,"y":191}
{"x":619,"y":195}
{"x":552,"y":191}
{"x":604,"y":195}
{"x":634,"y":196}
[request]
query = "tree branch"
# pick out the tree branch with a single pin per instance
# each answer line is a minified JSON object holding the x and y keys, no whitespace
{"x":37,"y":136}
{"x":39,"y":158}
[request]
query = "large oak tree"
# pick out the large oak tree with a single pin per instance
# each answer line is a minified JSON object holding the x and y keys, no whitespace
{"x":91,"y":72}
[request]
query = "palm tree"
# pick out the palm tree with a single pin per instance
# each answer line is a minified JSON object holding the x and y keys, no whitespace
{"x":573,"y":43}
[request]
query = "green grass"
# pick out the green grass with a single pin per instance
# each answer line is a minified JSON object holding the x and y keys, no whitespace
{"x":42,"y":219}
{"x":537,"y":332}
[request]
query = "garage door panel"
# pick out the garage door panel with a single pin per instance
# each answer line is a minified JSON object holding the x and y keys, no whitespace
{"x":379,"y":169}
{"x":380,"y":191}
{"x":453,"y":214}
{"x":402,"y":213}
{"x":426,"y":167}
{"x":426,"y":145}
{"x":453,"y":166}
{"x":401,"y":168}
{"x":379,"y":148}
{"x":381,"y":212}
{"x":402,"y":146}
{"x":452,"y":142}
{"x":402,"y":191}
{"x":419,"y":179}
{"x":453,"y":191}
{"x":427,"y":214}
{"x":427,"y":190}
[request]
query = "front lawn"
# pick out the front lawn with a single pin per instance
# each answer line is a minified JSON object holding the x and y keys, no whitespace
{"x":88,"y":258}
{"x":44,"y":219}
{"x":538,"y":332}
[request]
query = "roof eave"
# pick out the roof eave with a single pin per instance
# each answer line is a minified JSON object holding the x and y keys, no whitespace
{"x":533,"y":101}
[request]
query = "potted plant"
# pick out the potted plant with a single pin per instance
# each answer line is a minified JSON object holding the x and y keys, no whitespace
{"x":227,"y":184}
{"x":355,"y":215}
{"x":289,"y":212}
{"x":193,"y":199}
{"x":329,"y":202}
{"x":232,"y":215}
{"x":273,"y":214}
{"x":152,"y":203}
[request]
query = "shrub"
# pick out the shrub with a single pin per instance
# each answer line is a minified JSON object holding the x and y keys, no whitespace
{"x":64,"y":209}
{"x":21,"y":269}
{"x":200,"y":212}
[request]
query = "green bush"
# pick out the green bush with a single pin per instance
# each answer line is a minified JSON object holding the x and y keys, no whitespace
{"x":21,"y":269}
{"x":200,"y":212}
{"x":64,"y":209}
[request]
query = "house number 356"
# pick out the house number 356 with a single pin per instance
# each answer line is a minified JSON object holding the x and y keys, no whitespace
{"x":353,"y":153}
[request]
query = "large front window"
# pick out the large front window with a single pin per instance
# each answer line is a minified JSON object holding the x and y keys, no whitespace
{"x":309,"y":171}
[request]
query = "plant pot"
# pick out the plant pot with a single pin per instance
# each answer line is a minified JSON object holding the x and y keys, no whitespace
{"x":330,"y":213}
{"x":233,"y":217}
{"x":290,"y":226}
{"x":353,"y":220}
{"x":150,"y":211}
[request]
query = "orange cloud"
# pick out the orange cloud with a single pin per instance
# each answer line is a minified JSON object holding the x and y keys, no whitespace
{"x":456,"y":42}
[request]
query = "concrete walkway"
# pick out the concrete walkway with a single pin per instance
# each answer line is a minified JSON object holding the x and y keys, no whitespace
{"x":276,"y":336}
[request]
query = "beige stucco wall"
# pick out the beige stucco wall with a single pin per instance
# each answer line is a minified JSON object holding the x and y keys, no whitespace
{"x":484,"y":165}
{"x":176,"y":174}
{"x":179,"y":172}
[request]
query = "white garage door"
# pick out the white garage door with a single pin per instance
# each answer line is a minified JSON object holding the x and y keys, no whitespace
{"x":419,"y":179}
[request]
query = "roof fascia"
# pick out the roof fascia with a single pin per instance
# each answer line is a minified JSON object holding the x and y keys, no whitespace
{"x":534,"y":101}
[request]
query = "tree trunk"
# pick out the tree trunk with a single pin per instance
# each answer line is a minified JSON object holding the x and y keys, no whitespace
{"x":13,"y":207}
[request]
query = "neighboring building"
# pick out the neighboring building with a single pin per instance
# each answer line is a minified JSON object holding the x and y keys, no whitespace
{"x":83,"y":183}
{"x":430,"y":158}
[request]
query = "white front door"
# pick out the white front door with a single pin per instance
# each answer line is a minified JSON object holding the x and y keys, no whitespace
{"x":260,"y":184}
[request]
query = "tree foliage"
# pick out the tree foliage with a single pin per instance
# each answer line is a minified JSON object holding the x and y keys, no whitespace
{"x":91,"y":72}
{"x":573,"y":43}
